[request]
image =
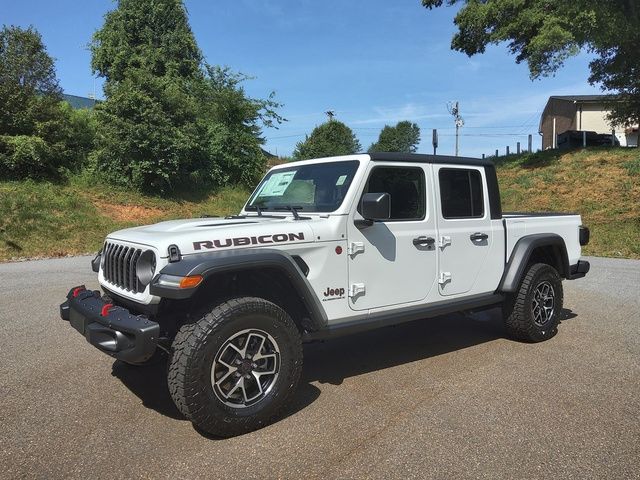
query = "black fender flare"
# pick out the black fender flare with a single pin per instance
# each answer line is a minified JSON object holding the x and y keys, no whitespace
{"x":211,"y":263}
{"x":524,"y":247}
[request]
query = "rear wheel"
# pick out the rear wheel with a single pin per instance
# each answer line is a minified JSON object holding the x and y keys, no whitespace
{"x":236,"y":368}
{"x":533,"y":312}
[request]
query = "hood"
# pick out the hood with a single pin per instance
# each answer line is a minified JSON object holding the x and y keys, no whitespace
{"x":201,"y":235}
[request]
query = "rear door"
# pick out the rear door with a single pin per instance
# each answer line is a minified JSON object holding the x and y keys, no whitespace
{"x":394,"y":261}
{"x":465,"y":233}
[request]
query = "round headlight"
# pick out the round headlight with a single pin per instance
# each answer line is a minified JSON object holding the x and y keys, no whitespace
{"x":146,"y":267}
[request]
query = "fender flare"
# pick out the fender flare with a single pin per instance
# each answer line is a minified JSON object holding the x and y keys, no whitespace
{"x":212,"y":263}
{"x":519,"y":259}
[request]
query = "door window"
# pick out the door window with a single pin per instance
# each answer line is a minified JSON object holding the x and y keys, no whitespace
{"x":461,"y":193}
{"x":406,"y":186}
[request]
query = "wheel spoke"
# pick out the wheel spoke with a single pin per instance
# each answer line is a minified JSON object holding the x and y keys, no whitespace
{"x":242,"y":352}
{"x":238,"y":384}
{"x":226,"y":375}
{"x":260,"y":338}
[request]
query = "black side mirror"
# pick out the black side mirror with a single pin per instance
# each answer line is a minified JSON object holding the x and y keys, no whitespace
{"x":375,"y":206}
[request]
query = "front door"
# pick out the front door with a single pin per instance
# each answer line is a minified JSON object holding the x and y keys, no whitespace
{"x":394,"y":261}
{"x":464,"y":226}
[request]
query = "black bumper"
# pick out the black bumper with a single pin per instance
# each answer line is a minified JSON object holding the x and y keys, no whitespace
{"x":578,"y":270}
{"x":111,"y":329}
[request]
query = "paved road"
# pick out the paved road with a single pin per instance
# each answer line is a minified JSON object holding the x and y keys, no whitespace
{"x":442,"y":398}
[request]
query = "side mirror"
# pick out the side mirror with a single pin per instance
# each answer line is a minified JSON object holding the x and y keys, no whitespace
{"x":375,"y":206}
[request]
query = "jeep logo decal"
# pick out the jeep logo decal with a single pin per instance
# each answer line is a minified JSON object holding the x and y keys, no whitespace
{"x":334,"y":292}
{"x":243,"y":241}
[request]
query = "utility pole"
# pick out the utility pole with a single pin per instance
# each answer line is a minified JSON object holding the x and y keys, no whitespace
{"x":330,"y":114}
{"x":454,"y":109}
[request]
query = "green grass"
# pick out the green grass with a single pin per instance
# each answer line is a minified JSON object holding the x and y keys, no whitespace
{"x":48,"y":219}
{"x":601,"y":184}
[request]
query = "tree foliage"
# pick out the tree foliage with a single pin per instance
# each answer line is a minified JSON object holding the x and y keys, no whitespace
{"x":404,"y":137}
{"x":234,"y":123}
{"x":40,"y":136}
{"x":169,"y":118}
{"x":544,"y":33}
{"x":326,"y":140}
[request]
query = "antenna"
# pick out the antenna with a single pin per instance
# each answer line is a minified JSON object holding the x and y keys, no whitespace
{"x":330,"y":114}
{"x":454,"y":109}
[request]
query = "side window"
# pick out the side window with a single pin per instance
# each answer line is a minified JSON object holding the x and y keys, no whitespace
{"x":461,"y":193}
{"x":405,"y":185}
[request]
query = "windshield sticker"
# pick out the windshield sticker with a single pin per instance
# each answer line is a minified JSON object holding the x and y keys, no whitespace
{"x":341,"y":180}
{"x":277,"y":184}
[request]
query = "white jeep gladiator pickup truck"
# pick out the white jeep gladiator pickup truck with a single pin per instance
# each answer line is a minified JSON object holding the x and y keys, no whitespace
{"x":322,"y":247}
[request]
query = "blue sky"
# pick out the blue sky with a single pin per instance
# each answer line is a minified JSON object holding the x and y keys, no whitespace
{"x":373,"y":62}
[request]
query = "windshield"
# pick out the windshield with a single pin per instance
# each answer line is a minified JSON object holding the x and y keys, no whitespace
{"x":318,"y":187}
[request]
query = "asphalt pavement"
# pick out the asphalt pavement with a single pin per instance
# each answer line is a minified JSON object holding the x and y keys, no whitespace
{"x":449,"y":397}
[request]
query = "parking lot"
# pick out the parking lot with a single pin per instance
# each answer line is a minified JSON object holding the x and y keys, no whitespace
{"x":442,"y":398}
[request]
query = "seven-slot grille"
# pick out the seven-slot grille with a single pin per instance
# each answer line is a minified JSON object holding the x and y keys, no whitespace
{"x":120,"y":263}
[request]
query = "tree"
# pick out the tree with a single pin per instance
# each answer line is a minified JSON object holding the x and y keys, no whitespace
{"x":326,"y":140}
{"x":149,"y":135}
{"x":169,"y":119}
{"x":404,"y":138}
{"x":234,"y":126}
{"x":29,"y":89}
{"x":544,"y":33}
{"x":40,"y":136}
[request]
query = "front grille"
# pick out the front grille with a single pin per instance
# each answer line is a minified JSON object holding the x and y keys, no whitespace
{"x":119,"y":267}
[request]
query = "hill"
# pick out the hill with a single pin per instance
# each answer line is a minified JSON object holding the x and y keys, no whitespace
{"x":602,"y":184}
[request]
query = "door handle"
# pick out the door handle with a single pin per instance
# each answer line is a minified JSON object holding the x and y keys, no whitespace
{"x":424,"y":241}
{"x":478,"y":236}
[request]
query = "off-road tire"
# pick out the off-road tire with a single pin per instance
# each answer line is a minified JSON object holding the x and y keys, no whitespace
{"x":194,"y":351}
{"x":518,"y":308}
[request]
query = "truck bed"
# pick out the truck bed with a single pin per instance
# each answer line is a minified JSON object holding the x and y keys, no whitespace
{"x":519,"y":224}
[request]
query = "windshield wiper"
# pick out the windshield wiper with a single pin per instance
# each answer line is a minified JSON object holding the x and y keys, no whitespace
{"x":294,"y":211}
{"x":259,"y":210}
{"x":256,"y":208}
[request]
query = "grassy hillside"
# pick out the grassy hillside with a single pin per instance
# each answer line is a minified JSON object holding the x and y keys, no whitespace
{"x":45,"y":219}
{"x":602,"y":184}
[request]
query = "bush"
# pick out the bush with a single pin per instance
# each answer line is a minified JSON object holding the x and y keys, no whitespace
{"x":24,"y":155}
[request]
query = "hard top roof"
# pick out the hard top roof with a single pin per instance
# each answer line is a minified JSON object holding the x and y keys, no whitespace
{"x":426,"y":158}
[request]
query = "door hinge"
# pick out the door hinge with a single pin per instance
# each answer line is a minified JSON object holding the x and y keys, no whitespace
{"x":355,"y":248}
{"x":356,"y":289}
{"x":444,"y":241}
{"x":444,"y":278}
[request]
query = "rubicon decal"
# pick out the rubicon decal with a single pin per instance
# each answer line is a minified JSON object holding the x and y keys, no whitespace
{"x":244,"y":241}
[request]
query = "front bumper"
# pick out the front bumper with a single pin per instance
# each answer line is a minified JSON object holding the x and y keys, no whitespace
{"x":111,"y":329}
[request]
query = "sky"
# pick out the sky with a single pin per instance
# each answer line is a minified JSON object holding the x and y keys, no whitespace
{"x":372,"y":62}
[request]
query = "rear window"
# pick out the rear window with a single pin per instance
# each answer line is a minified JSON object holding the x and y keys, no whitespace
{"x":461,"y":193}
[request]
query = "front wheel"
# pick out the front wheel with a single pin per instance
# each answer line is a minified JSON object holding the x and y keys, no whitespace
{"x":532,"y":313}
{"x":236,"y":368}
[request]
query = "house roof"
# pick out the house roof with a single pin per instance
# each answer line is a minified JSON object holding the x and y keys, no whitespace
{"x":582,"y":98}
{"x":79,"y":102}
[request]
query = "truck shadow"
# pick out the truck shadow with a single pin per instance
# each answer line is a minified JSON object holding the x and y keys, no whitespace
{"x":335,"y":360}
